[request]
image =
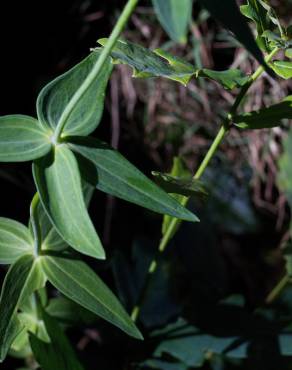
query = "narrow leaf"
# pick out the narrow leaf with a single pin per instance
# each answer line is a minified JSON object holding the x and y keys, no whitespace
{"x":23,"y":277}
{"x":79,"y":283}
{"x":22,"y":139}
{"x":174,"y":17}
{"x":227,"y":12}
{"x":58,"y":354}
{"x":148,"y":63}
{"x":186,"y":186}
{"x":266,"y":117}
{"x":110,"y":172}
{"x":283,"y":68}
{"x":59,"y":185}
{"x":228,"y":79}
{"x":86,"y":113}
{"x":51,"y":239}
{"x":15,"y":240}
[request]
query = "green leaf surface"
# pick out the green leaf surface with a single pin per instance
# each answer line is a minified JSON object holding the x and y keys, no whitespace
{"x":22,"y":139}
{"x":227,"y":12}
{"x":15,"y":240}
{"x":288,"y":53}
{"x":58,"y":354}
{"x":110,"y":172}
{"x":228,"y":79}
{"x":186,"y":186}
{"x":178,"y":169}
{"x":23,"y":277}
{"x":78,"y":282}
{"x":86,"y":114}
{"x":266,"y":117}
{"x":163,"y":365}
{"x":148,"y":63}
{"x":283,"y":68}
{"x":257,"y":13}
{"x":174,"y":17}
{"x":59,"y":185}
{"x":285,"y":165}
{"x":51,"y":239}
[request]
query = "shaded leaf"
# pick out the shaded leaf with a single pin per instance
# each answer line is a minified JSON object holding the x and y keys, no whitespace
{"x":283,"y":68}
{"x":174,"y":17}
{"x":148,"y":63}
{"x":23,"y":277}
{"x":58,"y":354}
{"x":285,"y":165}
{"x":79,"y":283}
{"x":85,"y":116}
{"x":15,"y":240}
{"x":266,"y":117}
{"x":186,"y":186}
{"x":22,"y":139}
{"x":69,"y":312}
{"x":178,"y":169}
{"x":118,"y":177}
{"x":228,"y":14}
{"x":59,"y":185}
{"x":228,"y":79}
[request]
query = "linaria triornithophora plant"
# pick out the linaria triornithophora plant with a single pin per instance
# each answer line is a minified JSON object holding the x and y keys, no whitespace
{"x":68,"y":165}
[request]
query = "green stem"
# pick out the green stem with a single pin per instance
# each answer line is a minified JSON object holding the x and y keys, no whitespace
{"x":175,"y":223}
{"x":126,"y":13}
{"x":278,"y":289}
{"x":35,"y":224}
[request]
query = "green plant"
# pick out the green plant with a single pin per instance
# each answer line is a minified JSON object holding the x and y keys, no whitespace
{"x":68,"y":165}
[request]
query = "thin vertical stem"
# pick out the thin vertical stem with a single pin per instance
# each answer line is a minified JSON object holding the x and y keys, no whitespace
{"x":125,"y":15}
{"x":175,"y":223}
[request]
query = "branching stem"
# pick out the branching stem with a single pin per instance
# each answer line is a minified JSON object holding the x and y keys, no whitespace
{"x":175,"y":223}
{"x":125,"y":15}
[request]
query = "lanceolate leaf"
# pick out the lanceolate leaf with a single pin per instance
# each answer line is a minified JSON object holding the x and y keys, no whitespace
{"x":78,"y":282}
{"x":59,"y":185}
{"x":186,"y":186}
{"x":282,"y":68}
{"x":228,"y":79}
{"x":58,"y":354}
{"x":174,"y":16}
{"x":22,"y":139}
{"x":23,"y":277}
{"x":15,"y":240}
{"x":113,"y":174}
{"x":148,"y":63}
{"x":86,"y":113}
{"x":51,"y":239}
{"x":266,"y":117}
{"x":227,"y":12}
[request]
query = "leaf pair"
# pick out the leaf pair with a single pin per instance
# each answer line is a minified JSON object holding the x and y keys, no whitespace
{"x":159,"y":63}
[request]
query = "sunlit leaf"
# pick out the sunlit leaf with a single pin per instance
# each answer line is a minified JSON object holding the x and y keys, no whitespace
{"x":59,"y":185}
{"x":283,"y":68}
{"x":174,"y":17}
{"x":79,"y":283}
{"x":228,"y":79}
{"x":266,"y":117}
{"x":110,"y":172}
{"x":148,"y":63}
{"x":15,"y":240}
{"x":54,"y":99}
{"x":22,"y":139}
